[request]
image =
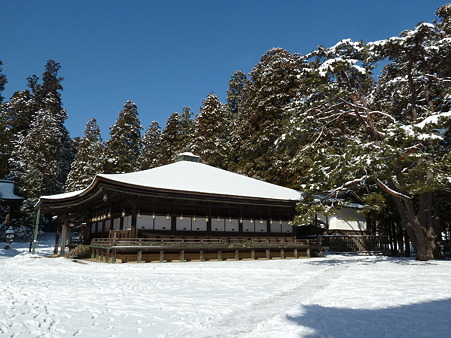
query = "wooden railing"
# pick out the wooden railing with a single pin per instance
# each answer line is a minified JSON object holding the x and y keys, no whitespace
{"x":343,"y":243}
{"x":260,"y":242}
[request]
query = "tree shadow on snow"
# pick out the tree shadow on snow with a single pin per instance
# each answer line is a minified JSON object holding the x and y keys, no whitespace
{"x":7,"y":252}
{"x":44,"y":246}
{"x":429,"y":319}
{"x":366,"y":260}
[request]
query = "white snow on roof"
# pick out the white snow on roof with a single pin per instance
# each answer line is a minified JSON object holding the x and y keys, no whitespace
{"x":196,"y":177}
{"x":201,"y":178}
{"x":64,"y":195}
{"x":188,"y":153}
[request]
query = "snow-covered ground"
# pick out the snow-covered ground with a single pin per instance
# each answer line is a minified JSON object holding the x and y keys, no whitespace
{"x":336,"y":296}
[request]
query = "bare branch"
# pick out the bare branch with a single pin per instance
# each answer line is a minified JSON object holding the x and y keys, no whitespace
{"x":383,"y":114}
{"x":345,"y":185}
{"x":316,"y":140}
{"x":414,"y":148}
{"x":390,"y":191}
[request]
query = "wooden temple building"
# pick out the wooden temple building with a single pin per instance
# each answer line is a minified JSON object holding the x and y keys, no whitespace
{"x":183,"y":211}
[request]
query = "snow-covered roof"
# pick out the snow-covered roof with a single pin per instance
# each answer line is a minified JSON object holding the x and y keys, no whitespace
{"x":7,"y":191}
{"x":63,"y":195}
{"x":194,"y":177}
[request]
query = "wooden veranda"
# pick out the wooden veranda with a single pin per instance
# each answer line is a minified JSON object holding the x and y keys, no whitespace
{"x":141,"y":250}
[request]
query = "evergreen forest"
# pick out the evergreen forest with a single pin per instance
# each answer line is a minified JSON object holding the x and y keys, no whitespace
{"x":373,"y":118}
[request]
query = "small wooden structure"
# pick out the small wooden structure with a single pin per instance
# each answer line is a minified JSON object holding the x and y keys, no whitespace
{"x":185,"y":208}
{"x":8,"y":199}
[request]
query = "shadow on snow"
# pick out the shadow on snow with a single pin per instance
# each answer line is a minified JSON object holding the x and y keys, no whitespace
{"x":44,"y":245}
{"x":429,"y":319}
{"x":366,"y":260}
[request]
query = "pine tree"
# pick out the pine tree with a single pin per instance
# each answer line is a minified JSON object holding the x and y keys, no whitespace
{"x":151,"y":147}
{"x":122,"y":150}
{"x":415,"y":84}
{"x":237,"y":84}
{"x":20,"y":110}
{"x":170,"y":140}
{"x":17,"y":115}
{"x":51,"y":83}
{"x":37,"y":156}
{"x":186,"y":128}
{"x":272,"y":85}
{"x":356,"y":133}
{"x":3,"y":82}
{"x":211,"y":137}
{"x":5,"y":143}
{"x":86,"y":164}
{"x":5,"y":130}
{"x":40,"y":113}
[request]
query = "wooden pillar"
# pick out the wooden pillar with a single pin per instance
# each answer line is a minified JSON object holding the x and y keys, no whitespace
{"x":63,"y":238}
{"x":307,"y":252}
{"x":295,"y":253}
{"x":201,"y":256}
{"x":134,"y":221}
{"x":140,"y":255}
{"x":88,"y":233}
{"x":182,"y":256}
{"x":35,"y":231}
{"x":113,"y":257}
{"x":173,"y":225}
{"x":237,"y":255}
{"x":268,"y":254}
{"x":208,"y":217}
{"x":161,"y":256}
{"x":121,"y":222}
{"x":69,"y":235}
{"x":57,"y":238}
{"x":252,"y":254}
{"x":114,"y":242}
{"x":209,"y":232}
{"x":219,"y":255}
{"x":282,"y":253}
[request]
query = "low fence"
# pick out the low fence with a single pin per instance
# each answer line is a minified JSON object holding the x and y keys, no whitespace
{"x":362,"y":243}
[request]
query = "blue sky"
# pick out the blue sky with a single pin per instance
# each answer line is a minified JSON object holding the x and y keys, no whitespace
{"x":168,"y":54}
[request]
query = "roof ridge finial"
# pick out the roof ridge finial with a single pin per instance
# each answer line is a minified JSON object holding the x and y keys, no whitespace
{"x":187,"y":155}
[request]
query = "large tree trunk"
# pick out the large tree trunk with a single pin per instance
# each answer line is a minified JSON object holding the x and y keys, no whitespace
{"x":422,"y":237}
{"x":426,"y":219}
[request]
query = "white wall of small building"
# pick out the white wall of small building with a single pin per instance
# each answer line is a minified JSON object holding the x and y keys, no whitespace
{"x":346,"y":219}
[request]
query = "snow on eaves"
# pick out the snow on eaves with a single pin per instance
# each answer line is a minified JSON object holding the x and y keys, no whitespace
{"x":201,"y":178}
